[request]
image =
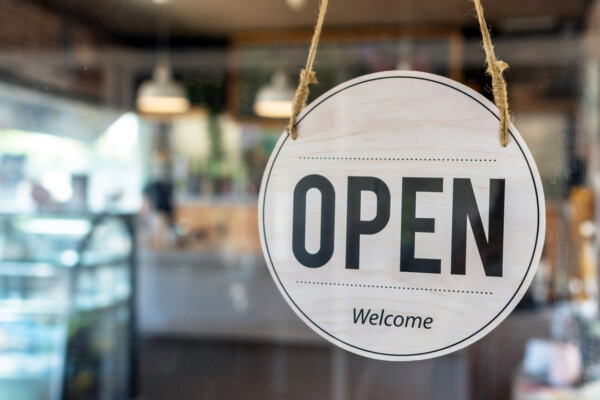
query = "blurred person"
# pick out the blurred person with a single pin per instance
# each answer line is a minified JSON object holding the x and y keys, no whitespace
{"x":41,"y":197}
{"x":156,"y":215}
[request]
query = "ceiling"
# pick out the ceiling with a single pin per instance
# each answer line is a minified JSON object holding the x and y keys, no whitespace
{"x":226,"y":17}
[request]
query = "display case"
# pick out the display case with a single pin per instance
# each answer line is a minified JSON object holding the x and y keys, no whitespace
{"x":66,"y":307}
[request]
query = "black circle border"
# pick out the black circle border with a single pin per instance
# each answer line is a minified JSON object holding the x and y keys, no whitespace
{"x":283,"y":286}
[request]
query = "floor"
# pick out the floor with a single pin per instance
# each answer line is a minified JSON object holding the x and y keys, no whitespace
{"x":185,"y":369}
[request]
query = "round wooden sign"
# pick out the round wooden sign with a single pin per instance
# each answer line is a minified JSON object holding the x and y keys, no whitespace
{"x":396,"y":225}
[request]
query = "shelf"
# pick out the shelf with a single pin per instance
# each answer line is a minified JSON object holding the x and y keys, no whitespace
{"x":15,"y":308}
{"x":19,"y":308}
{"x":43,"y":269}
{"x":29,"y":269}
{"x":106,"y":306}
{"x":25,"y":366}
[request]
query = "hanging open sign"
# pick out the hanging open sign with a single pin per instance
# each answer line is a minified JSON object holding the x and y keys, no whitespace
{"x":397,"y":226}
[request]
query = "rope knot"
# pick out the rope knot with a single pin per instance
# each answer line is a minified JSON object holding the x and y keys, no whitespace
{"x":496,"y":68}
{"x":306,"y":77}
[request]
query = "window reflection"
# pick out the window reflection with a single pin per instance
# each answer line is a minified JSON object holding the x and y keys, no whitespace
{"x":130,"y":261}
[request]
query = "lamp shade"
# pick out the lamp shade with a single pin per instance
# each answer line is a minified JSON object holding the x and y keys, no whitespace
{"x":161,"y":94}
{"x":275,"y":99}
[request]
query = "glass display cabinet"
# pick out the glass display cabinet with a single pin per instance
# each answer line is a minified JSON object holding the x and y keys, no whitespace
{"x":66,"y":307}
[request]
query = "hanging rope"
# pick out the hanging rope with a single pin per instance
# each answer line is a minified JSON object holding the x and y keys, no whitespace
{"x":495,"y":68}
{"x":307,"y":75}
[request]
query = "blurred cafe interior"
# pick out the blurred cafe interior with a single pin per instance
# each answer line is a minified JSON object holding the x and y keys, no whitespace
{"x":133,"y":139}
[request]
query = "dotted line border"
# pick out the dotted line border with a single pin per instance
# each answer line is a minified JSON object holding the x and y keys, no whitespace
{"x":484,"y":160}
{"x":394,"y":287}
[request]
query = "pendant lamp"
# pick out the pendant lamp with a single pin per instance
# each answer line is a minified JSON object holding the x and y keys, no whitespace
{"x":162,"y":94}
{"x":275,"y":99}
